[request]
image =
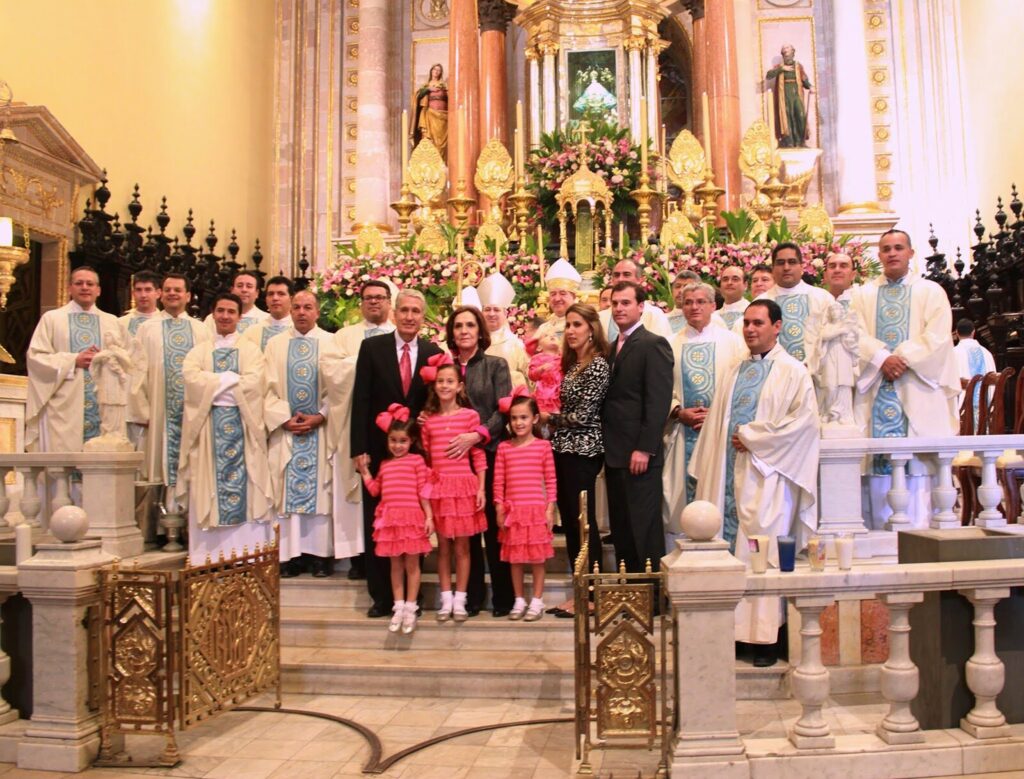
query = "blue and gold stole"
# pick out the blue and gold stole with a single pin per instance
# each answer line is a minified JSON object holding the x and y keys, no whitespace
{"x":698,"y":371}
{"x":83,"y":332}
{"x":300,"y":475}
{"x":135,"y":322}
{"x":269,"y":331}
{"x":795,"y":310}
{"x":746,"y":393}
{"x":730,"y":317}
{"x":246,"y":322}
{"x":892,"y":327}
{"x":178,"y":340}
{"x":229,"y":449}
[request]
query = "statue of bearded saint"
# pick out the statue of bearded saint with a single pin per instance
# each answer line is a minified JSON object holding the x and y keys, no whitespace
{"x":789,"y":101}
{"x":431,"y":114}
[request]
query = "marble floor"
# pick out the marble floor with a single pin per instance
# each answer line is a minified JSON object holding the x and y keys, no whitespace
{"x":263,"y":745}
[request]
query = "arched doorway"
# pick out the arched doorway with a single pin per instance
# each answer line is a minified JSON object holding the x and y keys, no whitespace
{"x":675,"y":64}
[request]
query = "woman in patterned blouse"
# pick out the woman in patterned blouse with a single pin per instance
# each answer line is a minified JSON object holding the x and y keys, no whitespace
{"x":577,"y":440}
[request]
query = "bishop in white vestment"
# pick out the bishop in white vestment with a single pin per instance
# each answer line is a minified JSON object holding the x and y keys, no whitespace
{"x":62,"y":412}
{"x":757,"y":456}
{"x":223,"y":466}
{"x":496,"y":296}
{"x":562,"y":282}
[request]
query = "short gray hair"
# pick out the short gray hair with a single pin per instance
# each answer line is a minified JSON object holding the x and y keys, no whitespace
{"x":410,"y":293}
{"x":700,"y":286}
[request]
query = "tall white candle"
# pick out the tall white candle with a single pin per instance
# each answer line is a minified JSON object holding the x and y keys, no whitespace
{"x":643,"y":134}
{"x":706,"y":111}
{"x":520,"y":129}
{"x":6,"y":231}
{"x":405,"y":143}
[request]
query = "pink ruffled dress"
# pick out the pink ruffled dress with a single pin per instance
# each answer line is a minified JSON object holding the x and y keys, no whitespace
{"x":546,"y":374}
{"x":454,"y":483}
{"x":524,"y":484}
{"x":399,"y":525}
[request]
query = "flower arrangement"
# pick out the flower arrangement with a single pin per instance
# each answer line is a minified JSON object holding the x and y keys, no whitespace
{"x":611,"y":154}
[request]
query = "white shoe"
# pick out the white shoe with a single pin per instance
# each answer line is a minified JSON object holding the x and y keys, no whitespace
{"x":445,"y":612}
{"x":518,"y":609}
{"x":409,"y":618}
{"x":459,"y":613}
{"x":535,"y":612}
{"x":396,"y":616}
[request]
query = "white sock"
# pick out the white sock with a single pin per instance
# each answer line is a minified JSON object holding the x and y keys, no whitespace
{"x":399,"y":606}
{"x":460,"y":598}
{"x":519,"y":604}
{"x":537,"y":604}
{"x":411,"y":606}
{"x":446,"y":599}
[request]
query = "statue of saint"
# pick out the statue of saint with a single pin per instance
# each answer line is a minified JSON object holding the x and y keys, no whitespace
{"x":109,"y":370}
{"x":431,"y":119}
{"x":790,"y":101}
{"x":837,"y":376}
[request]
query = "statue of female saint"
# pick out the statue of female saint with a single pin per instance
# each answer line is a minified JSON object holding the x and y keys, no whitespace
{"x":431,"y":120}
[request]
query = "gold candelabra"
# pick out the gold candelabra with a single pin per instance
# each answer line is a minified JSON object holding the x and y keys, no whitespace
{"x":11,"y":257}
{"x":460,"y":205}
{"x":645,"y":196}
{"x":405,"y":206}
{"x":523,"y":200}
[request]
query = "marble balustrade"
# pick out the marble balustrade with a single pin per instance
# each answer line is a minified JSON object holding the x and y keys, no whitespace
{"x":705,"y":583}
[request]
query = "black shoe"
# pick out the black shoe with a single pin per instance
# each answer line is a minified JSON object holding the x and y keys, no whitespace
{"x":289,"y":570}
{"x":765,"y":655}
{"x":323,"y":567}
{"x":472,"y":612}
{"x":378,"y":610}
{"x":499,"y":613}
{"x":607,"y":539}
{"x":356,"y":574}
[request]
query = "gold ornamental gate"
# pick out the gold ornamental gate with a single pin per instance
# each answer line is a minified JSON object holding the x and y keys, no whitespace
{"x":186,"y":645}
{"x":625,"y":689}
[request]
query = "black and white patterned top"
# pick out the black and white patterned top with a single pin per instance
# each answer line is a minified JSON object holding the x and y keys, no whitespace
{"x":577,"y":427}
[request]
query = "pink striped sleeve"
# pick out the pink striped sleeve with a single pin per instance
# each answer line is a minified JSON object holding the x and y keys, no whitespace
{"x":499,"y":474}
{"x":478,"y":459}
{"x":550,"y":482}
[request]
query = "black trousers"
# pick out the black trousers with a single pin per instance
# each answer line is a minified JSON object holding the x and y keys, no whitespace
{"x":634,"y":508}
{"x":378,"y":569}
{"x":576,"y":473}
{"x":502,"y":595}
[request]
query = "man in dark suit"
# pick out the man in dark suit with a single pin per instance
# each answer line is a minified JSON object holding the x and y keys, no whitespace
{"x":387,"y":371}
{"x":636,"y":406}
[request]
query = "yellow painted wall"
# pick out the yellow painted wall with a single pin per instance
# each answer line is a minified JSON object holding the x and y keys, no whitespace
{"x":176,"y":95}
{"x":993,"y":98}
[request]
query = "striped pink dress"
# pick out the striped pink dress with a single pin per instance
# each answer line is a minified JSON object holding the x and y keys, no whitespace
{"x":524,"y":484}
{"x":399,"y":525}
{"x":454,"y":483}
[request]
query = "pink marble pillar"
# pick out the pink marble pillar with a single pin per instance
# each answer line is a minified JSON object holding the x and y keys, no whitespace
{"x":722,"y":77}
{"x":372,"y":120}
{"x":463,"y":93}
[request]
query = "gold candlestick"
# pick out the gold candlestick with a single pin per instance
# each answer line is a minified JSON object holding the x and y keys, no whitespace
{"x":708,"y":194}
{"x":644,"y":197}
{"x":523,"y":200}
{"x":404,"y":207}
{"x":460,"y":205}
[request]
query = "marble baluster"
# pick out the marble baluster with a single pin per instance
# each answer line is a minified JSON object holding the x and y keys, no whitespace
{"x":989,"y":493}
{"x":5,"y":502}
{"x":985,"y":671}
{"x":810,"y":679}
{"x":61,"y":496}
{"x":30,"y":499}
{"x":899,"y":676}
{"x":898,"y":496}
{"x":944,"y":494}
{"x":533,"y":62}
{"x":373,"y":116}
{"x":7,"y":714}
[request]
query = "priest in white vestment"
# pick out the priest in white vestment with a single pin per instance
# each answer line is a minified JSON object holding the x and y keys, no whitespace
{"x":757,"y":458}
{"x":246,"y":285}
{"x":702,"y":351}
{"x":804,"y":307}
{"x":496,"y":297}
{"x":375,"y":307}
{"x":733,"y":286}
{"x":62,"y":412}
{"x":145,"y":296}
{"x":972,"y":359}
{"x":157,"y":401}
{"x":278,"y":297}
{"x":302,"y":369}
{"x":562,"y":282}
{"x":653,"y":318}
{"x":223,"y":466}
{"x":908,"y":381}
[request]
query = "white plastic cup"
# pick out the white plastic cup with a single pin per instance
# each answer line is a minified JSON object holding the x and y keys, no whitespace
{"x":758,"y":546}
{"x":844,"y":552}
{"x":816,"y":553}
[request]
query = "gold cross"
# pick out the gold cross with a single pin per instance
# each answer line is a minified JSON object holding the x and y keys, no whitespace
{"x":583,"y":129}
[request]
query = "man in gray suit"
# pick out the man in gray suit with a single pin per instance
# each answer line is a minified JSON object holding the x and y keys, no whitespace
{"x":636,"y":406}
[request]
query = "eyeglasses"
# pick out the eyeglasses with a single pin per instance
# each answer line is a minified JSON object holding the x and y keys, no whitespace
{"x":374,"y":298}
{"x":788,"y":261}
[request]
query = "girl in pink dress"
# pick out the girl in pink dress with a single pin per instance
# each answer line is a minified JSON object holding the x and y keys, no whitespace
{"x":404,"y":519}
{"x":456,"y":486}
{"x":524,"y":494}
{"x":545,"y":372}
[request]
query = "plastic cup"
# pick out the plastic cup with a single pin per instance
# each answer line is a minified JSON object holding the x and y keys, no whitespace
{"x":844,"y":552}
{"x":787,"y":553}
{"x":758,"y":546}
{"x":816,"y":553}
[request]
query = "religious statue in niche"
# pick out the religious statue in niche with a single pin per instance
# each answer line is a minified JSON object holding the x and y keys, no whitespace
{"x":431,"y":116}
{"x":592,"y":95}
{"x":790,"y":100}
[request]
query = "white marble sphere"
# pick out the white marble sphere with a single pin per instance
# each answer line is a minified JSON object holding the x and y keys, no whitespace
{"x":701,"y":520}
{"x":69,"y":524}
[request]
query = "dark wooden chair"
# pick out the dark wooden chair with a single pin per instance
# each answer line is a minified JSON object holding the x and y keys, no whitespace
{"x":1011,"y":471}
{"x":991,"y":421}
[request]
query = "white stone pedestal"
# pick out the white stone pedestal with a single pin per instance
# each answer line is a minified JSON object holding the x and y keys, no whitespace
{"x":707,"y":744}
{"x":108,"y":497}
{"x":60,"y":583}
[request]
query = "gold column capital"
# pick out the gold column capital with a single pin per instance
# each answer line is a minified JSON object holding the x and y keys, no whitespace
{"x":634,"y":43}
{"x":548,"y":48}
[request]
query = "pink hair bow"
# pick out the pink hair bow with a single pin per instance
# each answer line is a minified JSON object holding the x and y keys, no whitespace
{"x":531,"y":346}
{"x":505,"y":404}
{"x":395,"y":412}
{"x":429,"y":371}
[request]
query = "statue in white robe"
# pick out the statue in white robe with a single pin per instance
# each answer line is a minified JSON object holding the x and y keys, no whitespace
{"x":804,"y":309}
{"x":110,"y":372}
{"x":774,"y":483}
{"x":223,"y":466}
{"x":837,"y":372}
{"x":62,"y":412}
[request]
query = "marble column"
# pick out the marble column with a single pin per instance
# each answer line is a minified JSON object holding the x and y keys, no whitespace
{"x":372,"y":120}
{"x":494,"y":19}
{"x":463,"y":94}
{"x":549,"y":51}
{"x":722,"y":73}
{"x":700,"y":79}
{"x":654,"y":47}
{"x":853,"y":110}
{"x":536,"y":119}
{"x":634,"y":47}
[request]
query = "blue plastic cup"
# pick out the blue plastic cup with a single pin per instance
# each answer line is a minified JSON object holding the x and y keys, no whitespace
{"x":787,"y":553}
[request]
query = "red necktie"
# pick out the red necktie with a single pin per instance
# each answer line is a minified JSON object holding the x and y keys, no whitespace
{"x":405,"y":369}
{"x":622,"y":341}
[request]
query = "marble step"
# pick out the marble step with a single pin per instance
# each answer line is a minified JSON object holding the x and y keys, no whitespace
{"x":338,"y":592}
{"x":351,"y":628}
{"x":557,"y":564}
